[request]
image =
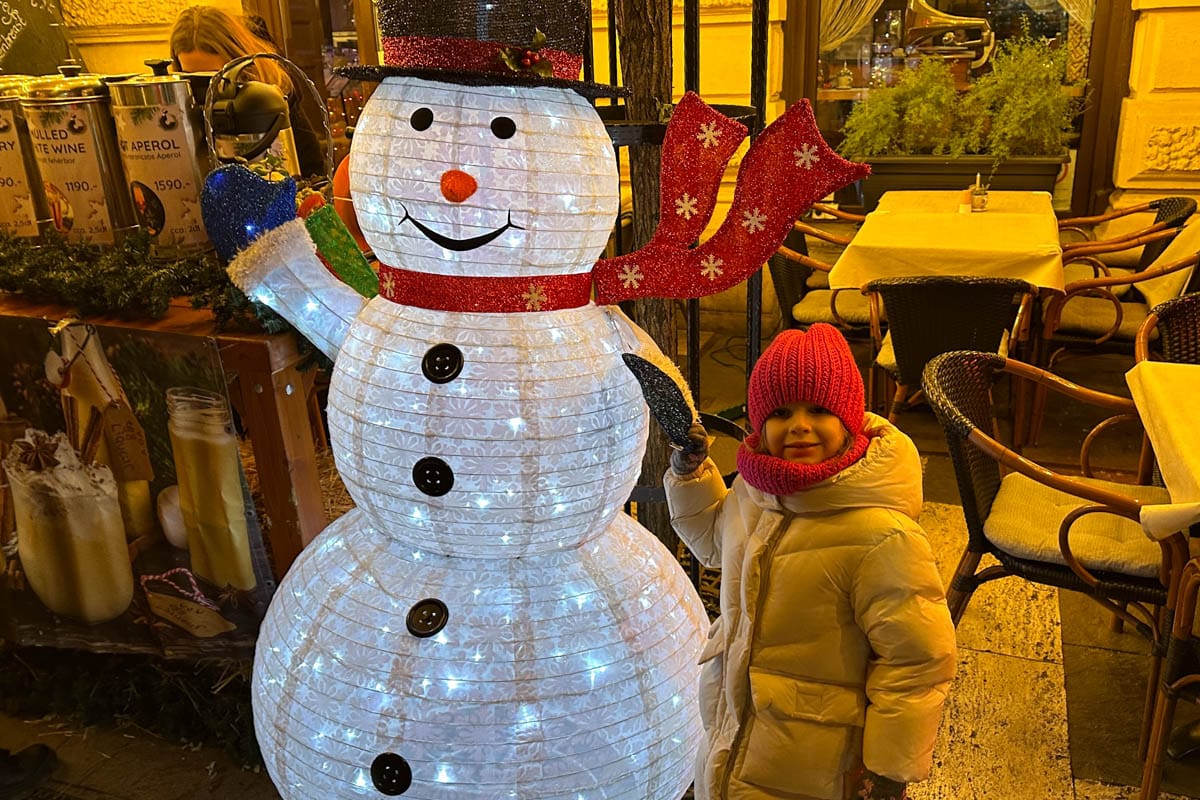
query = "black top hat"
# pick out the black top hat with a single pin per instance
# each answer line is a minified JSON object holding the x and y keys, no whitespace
{"x":485,"y":42}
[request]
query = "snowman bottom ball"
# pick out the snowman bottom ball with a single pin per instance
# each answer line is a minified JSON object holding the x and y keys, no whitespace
{"x":383,"y":670}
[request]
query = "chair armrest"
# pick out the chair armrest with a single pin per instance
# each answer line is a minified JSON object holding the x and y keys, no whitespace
{"x":1141,"y":341}
{"x":1022,"y":321}
{"x":1085,"y":235}
{"x":1085,"y":450}
{"x":1099,"y":286}
{"x":825,"y":208}
{"x":1153,"y":233}
{"x":1018,"y":463}
{"x":800,"y":258}
{"x":1099,"y":268}
{"x":1174,"y":557}
{"x":788,"y":276}
{"x":817,"y":233}
{"x":838,"y":318}
{"x":1153,"y":271}
{"x":875,"y":303}
{"x":1075,"y":222}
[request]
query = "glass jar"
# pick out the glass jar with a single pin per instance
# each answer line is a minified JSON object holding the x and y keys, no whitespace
{"x":70,"y":537}
{"x":208,"y":471}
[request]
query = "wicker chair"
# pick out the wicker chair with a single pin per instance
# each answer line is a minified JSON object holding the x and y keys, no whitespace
{"x":1088,"y":257}
{"x":1169,"y":212}
{"x":932,"y":314}
{"x":1022,"y":518}
{"x":848,"y":309}
{"x":819,"y":278}
{"x":1177,"y":325}
{"x":1090,"y":318}
{"x":1075,"y":533}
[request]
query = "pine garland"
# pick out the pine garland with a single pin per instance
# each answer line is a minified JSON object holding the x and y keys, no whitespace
{"x":125,"y":281}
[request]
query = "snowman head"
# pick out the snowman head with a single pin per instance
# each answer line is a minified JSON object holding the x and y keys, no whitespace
{"x":483,"y":181}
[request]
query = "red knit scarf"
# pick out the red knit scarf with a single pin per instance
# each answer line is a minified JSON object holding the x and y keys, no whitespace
{"x":774,"y":475}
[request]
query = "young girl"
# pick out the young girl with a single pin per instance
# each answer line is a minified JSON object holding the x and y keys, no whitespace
{"x":825,"y":675}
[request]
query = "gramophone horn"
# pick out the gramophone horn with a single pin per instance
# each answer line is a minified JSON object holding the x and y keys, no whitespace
{"x":925,"y":25}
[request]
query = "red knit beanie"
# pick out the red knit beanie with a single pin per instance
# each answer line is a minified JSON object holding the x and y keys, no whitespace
{"x":813,"y":366}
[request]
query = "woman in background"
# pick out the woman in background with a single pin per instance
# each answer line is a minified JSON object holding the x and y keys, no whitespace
{"x":205,"y":39}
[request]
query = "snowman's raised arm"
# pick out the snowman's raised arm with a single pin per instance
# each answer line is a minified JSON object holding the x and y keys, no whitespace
{"x":787,"y":168}
{"x":281,"y":270}
{"x":663,"y":385}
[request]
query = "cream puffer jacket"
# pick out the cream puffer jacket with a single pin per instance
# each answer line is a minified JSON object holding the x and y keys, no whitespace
{"x":834,"y":643}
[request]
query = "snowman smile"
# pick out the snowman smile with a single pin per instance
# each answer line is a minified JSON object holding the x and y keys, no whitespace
{"x":460,"y":245}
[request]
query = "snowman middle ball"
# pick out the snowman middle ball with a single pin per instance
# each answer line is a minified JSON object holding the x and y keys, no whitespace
{"x":528,"y":433}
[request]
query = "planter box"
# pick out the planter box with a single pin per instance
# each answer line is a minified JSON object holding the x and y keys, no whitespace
{"x":892,"y":173}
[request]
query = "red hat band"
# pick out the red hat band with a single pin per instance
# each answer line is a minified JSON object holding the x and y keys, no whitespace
{"x":471,"y":55}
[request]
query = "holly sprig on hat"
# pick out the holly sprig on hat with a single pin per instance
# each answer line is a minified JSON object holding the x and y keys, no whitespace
{"x":528,"y":59}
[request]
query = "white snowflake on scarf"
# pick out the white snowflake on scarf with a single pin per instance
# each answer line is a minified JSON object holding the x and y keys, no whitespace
{"x":685,"y":206}
{"x":754,"y":220}
{"x":710,"y":267}
{"x":631,"y":277}
{"x":806,"y":156}
{"x":534,"y":298}
{"x":708,"y":134}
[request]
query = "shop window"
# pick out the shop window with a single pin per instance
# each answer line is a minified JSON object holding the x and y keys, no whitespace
{"x":867,"y":44}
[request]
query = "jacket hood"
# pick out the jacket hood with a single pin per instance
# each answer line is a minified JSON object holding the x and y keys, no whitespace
{"x":887,"y":476}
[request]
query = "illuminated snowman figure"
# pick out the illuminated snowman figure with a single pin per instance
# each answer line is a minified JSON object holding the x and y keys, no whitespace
{"x":487,"y":623}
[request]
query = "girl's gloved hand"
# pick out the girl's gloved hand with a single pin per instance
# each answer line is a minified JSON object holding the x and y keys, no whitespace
{"x":688,"y":458}
{"x":877,"y":787}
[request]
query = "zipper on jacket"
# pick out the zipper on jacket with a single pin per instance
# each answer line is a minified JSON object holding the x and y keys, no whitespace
{"x":786,"y":518}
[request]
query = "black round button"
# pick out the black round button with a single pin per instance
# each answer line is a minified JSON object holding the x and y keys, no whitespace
{"x":433,"y":476}
{"x":442,"y":363}
{"x":427,"y":617}
{"x":391,"y":774}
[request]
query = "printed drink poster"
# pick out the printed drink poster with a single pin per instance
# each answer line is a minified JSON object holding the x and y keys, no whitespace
{"x":126,"y":523}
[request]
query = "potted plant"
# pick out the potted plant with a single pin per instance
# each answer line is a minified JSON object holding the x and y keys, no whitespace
{"x":1011,"y":126}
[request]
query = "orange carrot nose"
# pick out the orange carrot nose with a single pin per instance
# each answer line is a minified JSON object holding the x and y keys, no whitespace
{"x":457,"y":185}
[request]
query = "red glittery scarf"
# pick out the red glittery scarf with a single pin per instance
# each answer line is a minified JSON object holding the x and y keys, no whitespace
{"x":787,"y":168}
{"x":774,"y":475}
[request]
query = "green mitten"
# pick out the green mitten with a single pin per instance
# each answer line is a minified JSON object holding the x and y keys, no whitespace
{"x":340,"y":251}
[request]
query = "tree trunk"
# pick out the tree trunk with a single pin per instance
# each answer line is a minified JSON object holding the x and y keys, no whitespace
{"x":645,"y":30}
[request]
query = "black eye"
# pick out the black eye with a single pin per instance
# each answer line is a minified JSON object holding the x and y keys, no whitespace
{"x":822,"y":410}
{"x":503,"y":127}
{"x":421,"y":119}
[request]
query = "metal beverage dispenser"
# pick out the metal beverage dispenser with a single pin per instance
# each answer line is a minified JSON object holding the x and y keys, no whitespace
{"x":75,"y":147}
{"x":23,"y":210}
{"x":160,"y":131}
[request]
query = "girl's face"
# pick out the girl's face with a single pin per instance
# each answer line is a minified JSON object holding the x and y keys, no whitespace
{"x":804,"y":433}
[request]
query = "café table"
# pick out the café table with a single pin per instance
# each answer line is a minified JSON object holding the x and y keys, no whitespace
{"x":924,"y":233}
{"x":1164,"y":394}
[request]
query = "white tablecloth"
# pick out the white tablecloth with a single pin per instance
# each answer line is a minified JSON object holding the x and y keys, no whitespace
{"x":923,"y":233}
{"x":1165,"y":395}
